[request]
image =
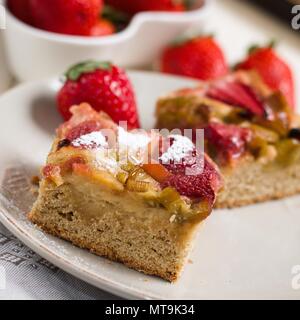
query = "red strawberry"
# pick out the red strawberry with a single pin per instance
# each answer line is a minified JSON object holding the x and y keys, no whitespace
{"x":229,"y":140}
{"x":104,"y":86}
{"x":75,"y":17}
{"x":274,"y":71}
{"x":134,"y":6}
{"x":102,"y":27}
{"x":203,"y":185}
{"x":21,"y":9}
{"x":199,"y":57}
{"x":236,"y":94}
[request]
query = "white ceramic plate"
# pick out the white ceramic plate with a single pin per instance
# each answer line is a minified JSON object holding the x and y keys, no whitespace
{"x":242,"y":253}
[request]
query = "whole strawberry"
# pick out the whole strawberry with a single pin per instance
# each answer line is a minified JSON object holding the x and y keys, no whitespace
{"x":75,"y":17}
{"x":20,"y":9}
{"x":200,"y":57}
{"x":274,"y":71}
{"x":104,"y":86}
{"x":134,"y":6}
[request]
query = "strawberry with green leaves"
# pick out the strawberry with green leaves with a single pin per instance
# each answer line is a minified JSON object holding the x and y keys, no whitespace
{"x":104,"y":86}
{"x":199,"y":57}
{"x":273,"y":69}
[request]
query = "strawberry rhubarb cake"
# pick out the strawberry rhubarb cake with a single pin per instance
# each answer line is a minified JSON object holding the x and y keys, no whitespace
{"x":251,"y":132}
{"x":104,"y":189}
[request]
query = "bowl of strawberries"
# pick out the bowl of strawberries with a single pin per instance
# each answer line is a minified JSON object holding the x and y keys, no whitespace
{"x":56,"y":33}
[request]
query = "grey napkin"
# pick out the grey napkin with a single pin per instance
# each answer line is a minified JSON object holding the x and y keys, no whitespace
{"x":26,"y":275}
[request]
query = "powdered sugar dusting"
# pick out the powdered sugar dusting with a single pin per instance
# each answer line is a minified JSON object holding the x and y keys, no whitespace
{"x":132,"y":145}
{"x":178,"y":150}
{"x":91,"y":140}
{"x":132,"y":140}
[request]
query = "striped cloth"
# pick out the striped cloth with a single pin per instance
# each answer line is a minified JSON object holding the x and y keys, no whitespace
{"x":26,"y":275}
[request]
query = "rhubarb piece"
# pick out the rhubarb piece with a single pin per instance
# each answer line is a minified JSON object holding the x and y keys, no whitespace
{"x":157,"y":171}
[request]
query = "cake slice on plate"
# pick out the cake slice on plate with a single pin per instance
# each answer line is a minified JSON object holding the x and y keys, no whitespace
{"x":103,"y":189}
{"x":250,"y":132}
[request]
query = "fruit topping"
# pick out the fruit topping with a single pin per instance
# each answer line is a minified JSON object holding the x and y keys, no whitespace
{"x":82,"y":129}
{"x":262,"y":133}
{"x":53,"y":172}
{"x":122,"y":177}
{"x":202,"y":182}
{"x":288,"y":151}
{"x":172,"y":201}
{"x":69,"y":165}
{"x":229,"y":141}
{"x":280,"y":114}
{"x":137,"y":186}
{"x":237,"y":94}
{"x":157,"y":171}
{"x":84,"y":113}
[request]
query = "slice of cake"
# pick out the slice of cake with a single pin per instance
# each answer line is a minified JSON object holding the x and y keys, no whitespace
{"x":103,"y":189}
{"x":250,"y":132}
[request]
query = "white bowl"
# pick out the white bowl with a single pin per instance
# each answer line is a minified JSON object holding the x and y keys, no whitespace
{"x":34,"y":53}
